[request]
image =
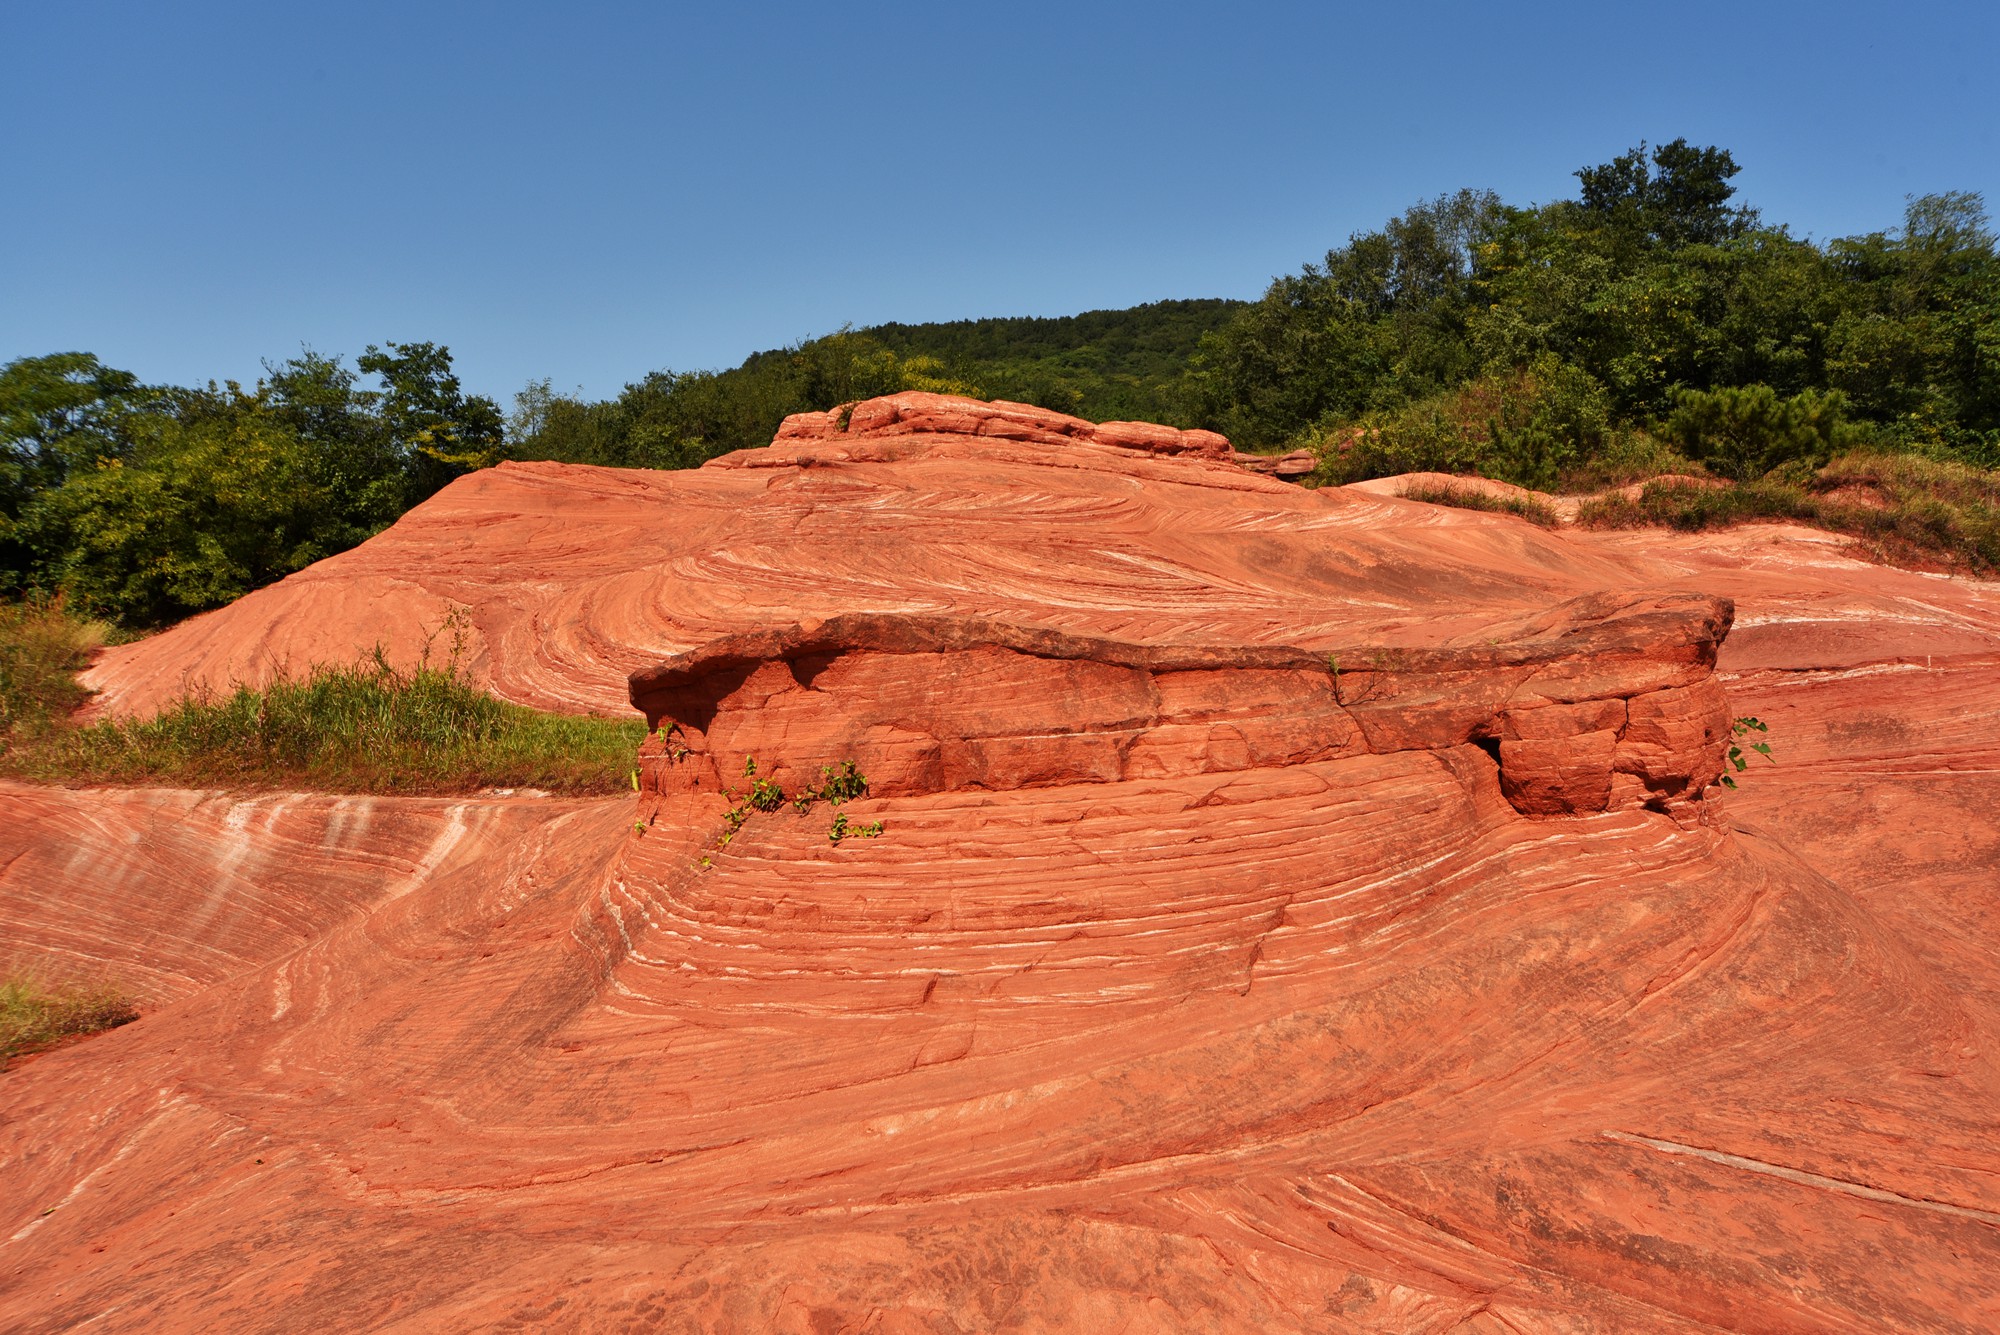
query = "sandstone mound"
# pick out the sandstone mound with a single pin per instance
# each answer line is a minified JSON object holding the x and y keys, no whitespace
{"x":571,"y":578}
{"x":1293,"y":911}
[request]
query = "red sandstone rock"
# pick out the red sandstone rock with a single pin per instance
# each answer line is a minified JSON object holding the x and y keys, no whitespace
{"x":1291,"y":467}
{"x":930,"y":704}
{"x":568,"y":578}
{"x":1192,"y":984}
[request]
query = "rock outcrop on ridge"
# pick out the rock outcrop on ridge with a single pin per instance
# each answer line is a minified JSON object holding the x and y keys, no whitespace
{"x":1292,"y":911}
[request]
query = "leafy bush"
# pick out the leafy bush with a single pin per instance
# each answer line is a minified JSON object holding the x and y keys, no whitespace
{"x":1746,"y":432}
{"x":1629,"y":455}
{"x":34,"y":1016}
{"x":1526,"y":426}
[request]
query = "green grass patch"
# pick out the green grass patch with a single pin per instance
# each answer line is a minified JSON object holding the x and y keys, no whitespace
{"x":1904,"y":509}
{"x":1531,"y":508}
{"x":34,"y":1016}
{"x":1692,"y":506}
{"x":368,"y":728}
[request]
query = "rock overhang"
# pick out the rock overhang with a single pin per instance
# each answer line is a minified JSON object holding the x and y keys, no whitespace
{"x":1605,"y":702}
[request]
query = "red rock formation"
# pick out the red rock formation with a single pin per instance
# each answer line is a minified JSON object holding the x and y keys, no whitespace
{"x":569,"y":578}
{"x":1601,"y":703}
{"x":1190,"y":985}
{"x":170,"y":892}
{"x":1291,"y":467}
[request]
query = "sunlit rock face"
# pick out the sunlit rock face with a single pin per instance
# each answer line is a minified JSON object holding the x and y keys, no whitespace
{"x":1292,"y":910}
{"x":1603,"y":703}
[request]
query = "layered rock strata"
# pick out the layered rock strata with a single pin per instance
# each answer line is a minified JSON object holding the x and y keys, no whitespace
{"x":917,"y":414}
{"x":1603,"y":703}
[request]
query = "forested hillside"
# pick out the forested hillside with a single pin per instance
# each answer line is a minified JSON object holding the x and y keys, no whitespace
{"x":1103,"y":365}
{"x":1652,"y":324}
{"x":1651,"y":315}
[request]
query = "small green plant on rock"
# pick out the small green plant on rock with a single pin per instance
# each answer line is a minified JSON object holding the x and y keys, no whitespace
{"x":837,"y":784}
{"x":1735,"y":759}
{"x":840,"y":829}
{"x":765,"y":795}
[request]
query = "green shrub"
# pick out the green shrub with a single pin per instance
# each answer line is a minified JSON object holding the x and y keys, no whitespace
{"x":1629,"y":455}
{"x":1903,"y":508}
{"x":1915,"y":506}
{"x":1692,"y":506}
{"x":1745,"y":433}
{"x":1527,"y":426}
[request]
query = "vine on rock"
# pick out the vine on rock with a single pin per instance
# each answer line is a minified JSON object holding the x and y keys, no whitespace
{"x":1743,"y":727}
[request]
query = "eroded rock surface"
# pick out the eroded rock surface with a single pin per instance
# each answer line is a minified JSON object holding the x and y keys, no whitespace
{"x":1602,"y":703}
{"x":1294,"y":911}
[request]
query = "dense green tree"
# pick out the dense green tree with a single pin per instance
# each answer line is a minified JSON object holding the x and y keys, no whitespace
{"x":196,"y":509}
{"x":350,"y":454}
{"x":1919,"y":347}
{"x":442,"y":432}
{"x":1382,"y":322}
{"x":1745,"y":433}
{"x":146,"y":504}
{"x":58,"y":413}
{"x":1681,"y":198}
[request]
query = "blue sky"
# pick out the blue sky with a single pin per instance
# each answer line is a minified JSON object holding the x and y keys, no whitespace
{"x":591,"y":191}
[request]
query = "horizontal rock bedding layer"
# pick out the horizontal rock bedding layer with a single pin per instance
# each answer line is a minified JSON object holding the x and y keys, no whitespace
{"x":1604,"y":702}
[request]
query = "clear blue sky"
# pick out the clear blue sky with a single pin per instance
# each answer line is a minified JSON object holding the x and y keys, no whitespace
{"x":591,"y":191}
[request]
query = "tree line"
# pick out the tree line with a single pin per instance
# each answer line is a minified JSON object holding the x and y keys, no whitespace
{"x":143,"y":504}
{"x":1651,"y":318}
{"x":146,"y":503}
{"x":1651,"y":323}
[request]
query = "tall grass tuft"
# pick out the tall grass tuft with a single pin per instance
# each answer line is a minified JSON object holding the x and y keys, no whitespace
{"x":370,"y":727}
{"x":1529,"y":507}
{"x":1691,"y":505}
{"x":34,"y":1016}
{"x":42,"y":648}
